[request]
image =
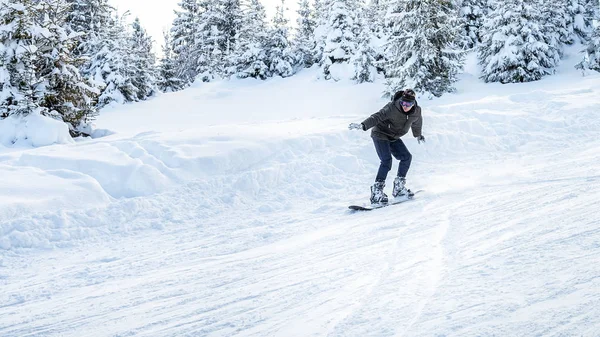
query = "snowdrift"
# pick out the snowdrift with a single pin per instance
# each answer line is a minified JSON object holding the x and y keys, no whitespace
{"x":33,"y":130}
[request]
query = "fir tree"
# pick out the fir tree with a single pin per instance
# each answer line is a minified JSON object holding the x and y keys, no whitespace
{"x":214,"y":54}
{"x":420,"y":52}
{"x":364,"y":60}
{"x":340,"y":37}
{"x":211,"y":42}
{"x":184,"y":46}
{"x":377,"y":21}
{"x":321,"y":28}
{"x":591,"y":58}
{"x":250,"y":57}
{"x":18,"y":78}
{"x":591,"y":14}
{"x":472,"y":13}
{"x":112,"y":68}
{"x":220,"y":23}
{"x":320,"y":11}
{"x":167,"y":78}
{"x":88,"y":18}
{"x":88,"y":22}
{"x":304,"y":39}
{"x":580,"y":22}
{"x":559,"y":25}
{"x":591,"y":54}
{"x":65,"y":94}
{"x":280,"y":56}
{"x":144,"y":76}
{"x":231,"y":13}
{"x":375,"y":15}
{"x":516,"y":47}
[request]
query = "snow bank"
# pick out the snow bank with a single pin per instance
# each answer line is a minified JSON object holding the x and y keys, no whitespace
{"x":30,"y":189}
{"x":98,"y":185}
{"x":33,"y":130}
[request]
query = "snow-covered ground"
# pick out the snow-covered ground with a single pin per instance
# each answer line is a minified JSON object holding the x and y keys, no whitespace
{"x":222,"y":211}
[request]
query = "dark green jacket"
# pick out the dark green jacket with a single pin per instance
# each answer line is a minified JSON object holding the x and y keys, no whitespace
{"x":391,"y":122}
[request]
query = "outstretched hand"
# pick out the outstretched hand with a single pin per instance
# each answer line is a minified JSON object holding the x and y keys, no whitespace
{"x":355,"y":126}
{"x":421,"y":139}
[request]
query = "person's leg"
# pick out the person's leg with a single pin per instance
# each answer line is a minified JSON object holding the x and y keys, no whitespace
{"x":400,"y":152}
{"x":385,"y":156}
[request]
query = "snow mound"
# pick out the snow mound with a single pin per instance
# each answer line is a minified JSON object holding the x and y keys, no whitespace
{"x":99,"y":184}
{"x":33,"y":130}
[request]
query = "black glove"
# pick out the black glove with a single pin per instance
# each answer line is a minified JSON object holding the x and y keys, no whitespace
{"x":356,"y":126}
{"x":421,"y":139}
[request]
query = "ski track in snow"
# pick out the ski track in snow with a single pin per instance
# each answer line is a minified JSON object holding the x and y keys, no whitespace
{"x":231,"y":230}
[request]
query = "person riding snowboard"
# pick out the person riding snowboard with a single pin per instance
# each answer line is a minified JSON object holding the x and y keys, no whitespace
{"x":389,"y":124}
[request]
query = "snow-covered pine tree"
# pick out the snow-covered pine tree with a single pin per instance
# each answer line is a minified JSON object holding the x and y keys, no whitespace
{"x":64,"y":93}
{"x":215,"y":54}
{"x":558,"y":26}
{"x":231,"y":23}
{"x":219,"y":25}
{"x":472,"y":15}
{"x":375,"y":14}
{"x":341,"y":37}
{"x":591,"y":14}
{"x":376,"y":20}
{"x":210,"y":41}
{"x":280,"y":56}
{"x":112,"y":67}
{"x":364,"y":60}
{"x":144,"y":61}
{"x":89,"y":18}
{"x":304,"y":39}
{"x":184,"y":46}
{"x":320,"y":17}
{"x":516,"y":47}
{"x":167,"y":78}
{"x":18,"y":52}
{"x":319,"y":10}
{"x":89,"y":21}
{"x":580,"y":22}
{"x":591,"y":58}
{"x":420,"y":52}
{"x":249,"y":58}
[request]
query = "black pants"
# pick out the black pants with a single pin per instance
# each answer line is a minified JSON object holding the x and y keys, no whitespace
{"x":385,"y":149}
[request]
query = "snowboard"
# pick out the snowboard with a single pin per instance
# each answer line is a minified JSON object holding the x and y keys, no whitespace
{"x":390,"y":203}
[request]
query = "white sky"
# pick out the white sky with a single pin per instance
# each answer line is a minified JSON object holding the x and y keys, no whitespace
{"x":157,"y":15}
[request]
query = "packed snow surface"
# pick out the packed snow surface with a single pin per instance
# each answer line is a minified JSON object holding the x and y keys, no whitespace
{"x":221,"y":210}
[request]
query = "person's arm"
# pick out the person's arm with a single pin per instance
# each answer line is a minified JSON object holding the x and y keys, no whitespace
{"x":417,"y":126}
{"x":377,"y":117}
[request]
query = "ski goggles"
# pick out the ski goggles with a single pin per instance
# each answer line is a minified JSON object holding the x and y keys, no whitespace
{"x":407,"y":104}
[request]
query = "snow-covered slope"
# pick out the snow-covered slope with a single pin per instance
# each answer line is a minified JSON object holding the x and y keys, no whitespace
{"x":221,"y":211}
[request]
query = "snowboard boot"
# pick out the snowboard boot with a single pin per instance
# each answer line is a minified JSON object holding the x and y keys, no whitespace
{"x":377,"y":195}
{"x":400,"y":189}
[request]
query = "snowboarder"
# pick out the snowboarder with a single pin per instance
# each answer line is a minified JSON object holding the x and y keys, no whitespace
{"x":389,"y":124}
